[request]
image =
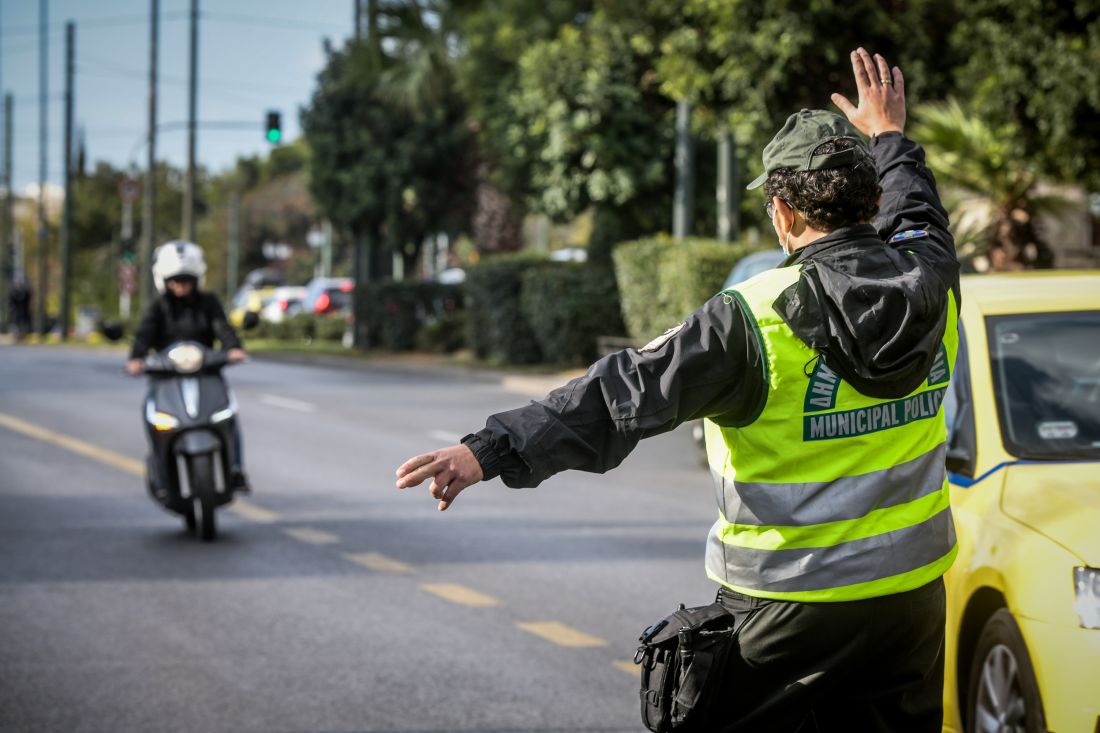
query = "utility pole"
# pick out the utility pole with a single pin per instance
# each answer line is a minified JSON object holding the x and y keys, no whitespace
{"x":67,"y":216}
{"x":358,"y":19}
{"x":683,"y":205}
{"x":233,"y":252}
{"x":4,"y":273}
{"x":7,"y":241}
{"x":729,"y":191}
{"x":148,"y":205}
{"x":189,"y":187}
{"x":43,"y":118}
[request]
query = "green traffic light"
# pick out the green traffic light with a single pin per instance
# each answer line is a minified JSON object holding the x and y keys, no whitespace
{"x":273,"y":136}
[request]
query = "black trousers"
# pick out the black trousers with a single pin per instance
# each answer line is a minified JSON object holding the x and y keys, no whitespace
{"x":870,"y":665}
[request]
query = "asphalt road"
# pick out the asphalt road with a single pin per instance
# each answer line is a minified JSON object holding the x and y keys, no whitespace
{"x":331,"y":601}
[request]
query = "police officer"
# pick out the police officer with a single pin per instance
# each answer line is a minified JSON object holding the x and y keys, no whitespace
{"x":821,"y":383}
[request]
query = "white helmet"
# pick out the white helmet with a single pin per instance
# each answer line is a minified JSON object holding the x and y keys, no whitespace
{"x":177,"y":258}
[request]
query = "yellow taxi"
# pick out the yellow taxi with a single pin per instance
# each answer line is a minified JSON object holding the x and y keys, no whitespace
{"x":1023,"y":597}
{"x":248,"y":300}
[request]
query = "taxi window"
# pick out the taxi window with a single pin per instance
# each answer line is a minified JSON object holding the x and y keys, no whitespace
{"x":1046,"y":381}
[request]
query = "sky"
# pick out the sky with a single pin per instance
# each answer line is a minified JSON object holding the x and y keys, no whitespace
{"x":254,"y":55}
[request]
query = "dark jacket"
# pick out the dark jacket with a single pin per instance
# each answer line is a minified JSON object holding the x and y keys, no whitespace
{"x":198,"y":317}
{"x":875,"y":310}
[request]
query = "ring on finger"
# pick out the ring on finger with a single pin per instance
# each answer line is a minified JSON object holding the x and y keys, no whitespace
{"x":886,"y":81}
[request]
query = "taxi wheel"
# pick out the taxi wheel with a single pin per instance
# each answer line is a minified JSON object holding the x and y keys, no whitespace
{"x":1003,"y":694}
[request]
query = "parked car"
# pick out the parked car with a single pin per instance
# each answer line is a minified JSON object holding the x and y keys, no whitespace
{"x":328,"y":295}
{"x":283,"y":303}
{"x":1023,"y":596}
{"x":248,"y":300}
{"x":752,"y":265}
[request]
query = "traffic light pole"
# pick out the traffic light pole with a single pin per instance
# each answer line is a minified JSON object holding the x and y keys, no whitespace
{"x":192,"y":107}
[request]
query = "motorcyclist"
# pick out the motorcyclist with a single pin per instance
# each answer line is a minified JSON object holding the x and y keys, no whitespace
{"x":185,"y":312}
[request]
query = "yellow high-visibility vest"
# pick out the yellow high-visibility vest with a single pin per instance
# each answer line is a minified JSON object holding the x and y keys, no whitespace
{"x":828,"y":494}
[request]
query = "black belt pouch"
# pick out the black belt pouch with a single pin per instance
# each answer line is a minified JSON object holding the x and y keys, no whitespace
{"x":682,"y":660}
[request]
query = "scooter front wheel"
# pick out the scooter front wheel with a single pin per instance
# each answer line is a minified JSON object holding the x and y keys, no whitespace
{"x":202,"y":489}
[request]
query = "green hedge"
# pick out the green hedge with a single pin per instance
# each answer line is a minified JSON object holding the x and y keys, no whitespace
{"x":662,"y":280}
{"x":302,"y":327}
{"x":568,"y":306}
{"x":498,"y":329}
{"x":397,"y":311}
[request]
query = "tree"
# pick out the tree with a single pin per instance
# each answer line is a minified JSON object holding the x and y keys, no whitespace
{"x":746,"y":66}
{"x":595,"y":131}
{"x":993,"y":193}
{"x":1037,"y":78}
{"x":492,"y":35}
{"x":384,"y":171}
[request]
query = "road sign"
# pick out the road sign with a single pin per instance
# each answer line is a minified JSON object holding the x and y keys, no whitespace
{"x":127,"y":278}
{"x":128,"y":190}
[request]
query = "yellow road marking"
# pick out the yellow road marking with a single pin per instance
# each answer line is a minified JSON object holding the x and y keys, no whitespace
{"x":560,"y":634}
{"x":117,"y":460}
{"x":248,"y":510}
{"x":460,"y":594}
{"x":133,"y":466}
{"x":378,"y":562}
{"x":312,"y":536}
{"x":627,"y":665}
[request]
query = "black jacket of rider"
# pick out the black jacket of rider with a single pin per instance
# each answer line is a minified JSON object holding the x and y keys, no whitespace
{"x":874,"y":309}
{"x":198,"y":317}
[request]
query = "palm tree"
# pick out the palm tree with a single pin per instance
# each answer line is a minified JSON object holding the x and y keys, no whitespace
{"x":994,"y":196}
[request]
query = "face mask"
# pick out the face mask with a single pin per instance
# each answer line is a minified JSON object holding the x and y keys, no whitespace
{"x":786,"y":240}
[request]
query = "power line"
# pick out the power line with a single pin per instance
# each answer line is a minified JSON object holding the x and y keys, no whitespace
{"x":282,"y":23}
{"x":106,"y":21}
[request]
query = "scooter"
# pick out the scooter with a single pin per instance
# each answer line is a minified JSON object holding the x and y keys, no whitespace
{"x":190,"y":416}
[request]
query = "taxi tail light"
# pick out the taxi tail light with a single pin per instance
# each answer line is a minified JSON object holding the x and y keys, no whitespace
{"x":322,"y":303}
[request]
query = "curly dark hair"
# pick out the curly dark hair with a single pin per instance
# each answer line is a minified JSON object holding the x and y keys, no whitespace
{"x":831,"y":198}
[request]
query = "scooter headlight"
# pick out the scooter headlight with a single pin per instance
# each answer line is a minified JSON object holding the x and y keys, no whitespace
{"x":186,"y":358}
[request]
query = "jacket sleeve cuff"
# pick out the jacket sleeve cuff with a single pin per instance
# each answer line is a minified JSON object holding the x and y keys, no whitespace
{"x":485,"y":454}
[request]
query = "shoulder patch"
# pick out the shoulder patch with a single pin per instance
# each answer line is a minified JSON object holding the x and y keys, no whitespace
{"x":662,"y":339}
{"x":909,"y":234}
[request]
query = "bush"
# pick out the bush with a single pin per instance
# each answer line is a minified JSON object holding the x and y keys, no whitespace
{"x":662,"y":280}
{"x":498,"y":329}
{"x":398,"y":311}
{"x":570,"y":305}
{"x":444,"y":335}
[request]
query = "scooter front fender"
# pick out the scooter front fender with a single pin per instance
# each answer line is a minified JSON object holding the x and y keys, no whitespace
{"x":197,"y":442}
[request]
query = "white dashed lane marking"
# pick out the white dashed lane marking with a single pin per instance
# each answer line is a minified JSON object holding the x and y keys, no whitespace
{"x":287,"y":403}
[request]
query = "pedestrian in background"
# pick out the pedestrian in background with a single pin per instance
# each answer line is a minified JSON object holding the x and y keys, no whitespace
{"x":821,"y":384}
{"x":19,"y":306}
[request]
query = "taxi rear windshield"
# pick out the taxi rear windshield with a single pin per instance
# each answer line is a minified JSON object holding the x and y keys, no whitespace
{"x":1046,"y":379}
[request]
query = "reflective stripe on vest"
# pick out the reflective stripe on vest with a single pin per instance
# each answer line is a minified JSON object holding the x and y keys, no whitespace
{"x":828,"y":494}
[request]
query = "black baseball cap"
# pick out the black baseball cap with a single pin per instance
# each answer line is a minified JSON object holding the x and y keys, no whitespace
{"x":804,"y":131}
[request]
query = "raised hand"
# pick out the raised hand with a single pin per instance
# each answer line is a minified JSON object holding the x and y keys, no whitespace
{"x":881,"y":104}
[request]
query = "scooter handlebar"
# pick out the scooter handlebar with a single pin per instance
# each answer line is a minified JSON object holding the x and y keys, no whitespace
{"x":213,"y":360}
